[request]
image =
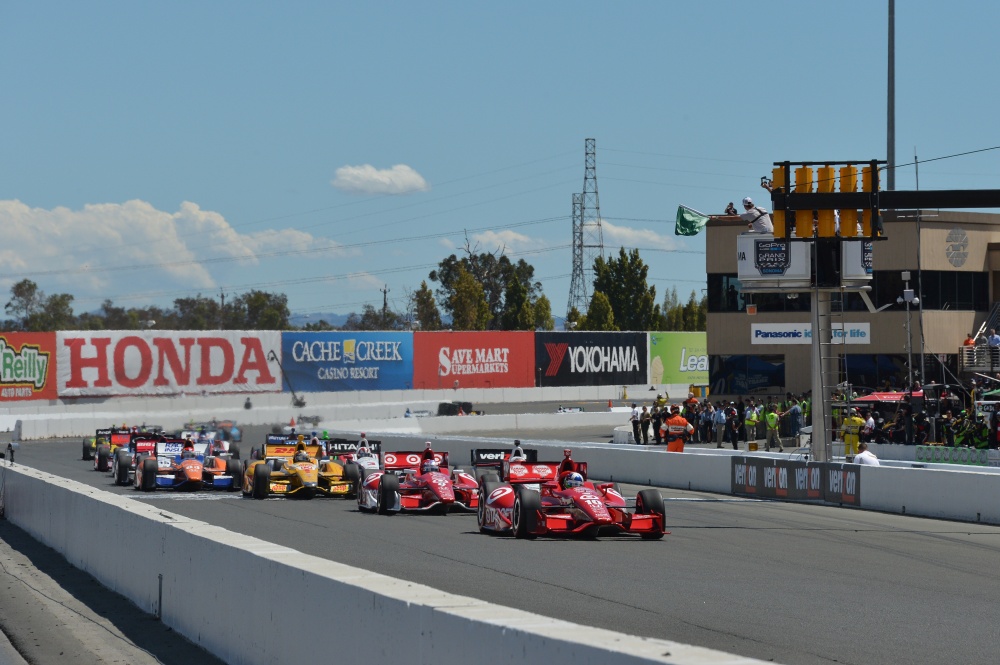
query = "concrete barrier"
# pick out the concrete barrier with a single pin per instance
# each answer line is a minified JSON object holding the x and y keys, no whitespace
{"x":961,"y":494}
{"x":194,"y":575}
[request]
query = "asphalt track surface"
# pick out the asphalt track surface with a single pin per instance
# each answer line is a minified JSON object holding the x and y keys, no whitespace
{"x":792,"y":583}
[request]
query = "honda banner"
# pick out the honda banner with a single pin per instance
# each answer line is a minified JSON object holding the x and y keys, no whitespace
{"x":27,"y":366}
{"x":590,"y":358}
{"x":332,"y":361}
{"x":473,"y":359}
{"x":153,"y":362}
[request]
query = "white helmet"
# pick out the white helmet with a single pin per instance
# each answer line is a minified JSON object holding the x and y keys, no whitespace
{"x":431,"y":466}
{"x":573,"y":479}
{"x":747,"y":201}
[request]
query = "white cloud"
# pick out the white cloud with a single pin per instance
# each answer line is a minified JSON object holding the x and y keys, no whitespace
{"x":511,"y":241}
{"x":364,"y":280}
{"x":70,"y":251}
{"x":624,"y":236}
{"x":366,"y":179}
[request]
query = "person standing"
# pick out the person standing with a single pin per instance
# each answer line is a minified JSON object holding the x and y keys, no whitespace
{"x":750,"y":419}
{"x":634,"y":419}
{"x":851,"y":430}
{"x":771,"y":420}
{"x":794,"y":415}
{"x":758,"y":220}
{"x":657,"y":416}
{"x":733,"y":423}
{"x":676,"y":430}
{"x":644,"y":421}
{"x":864,"y":456}
{"x":720,"y":424}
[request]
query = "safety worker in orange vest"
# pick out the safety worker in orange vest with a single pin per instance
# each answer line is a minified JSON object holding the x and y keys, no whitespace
{"x":676,"y":430}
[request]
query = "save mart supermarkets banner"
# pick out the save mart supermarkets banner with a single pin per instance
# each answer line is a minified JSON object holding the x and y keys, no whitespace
{"x":333,"y":361}
{"x":160,"y":362}
{"x":591,"y":358}
{"x":473,"y":359}
{"x":27,"y":366}
{"x":678,"y":358}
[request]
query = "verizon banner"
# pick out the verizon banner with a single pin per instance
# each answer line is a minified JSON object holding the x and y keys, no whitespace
{"x":155,"y":362}
{"x":473,"y":359}
{"x":590,"y":358}
{"x":27,"y":366}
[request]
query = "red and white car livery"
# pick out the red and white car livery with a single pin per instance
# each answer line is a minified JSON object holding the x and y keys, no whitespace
{"x":530,"y":499}
{"x":403,"y":485}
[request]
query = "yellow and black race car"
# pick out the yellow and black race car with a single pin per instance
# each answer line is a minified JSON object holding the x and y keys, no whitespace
{"x":288,"y":468}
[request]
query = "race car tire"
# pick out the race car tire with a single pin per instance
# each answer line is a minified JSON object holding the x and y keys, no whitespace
{"x":489,"y":477}
{"x":650,"y":502}
{"x":387,"y":488}
{"x":104,"y":458}
{"x":87,"y":453}
{"x":148,"y":474}
{"x":486,"y":488}
{"x":352,"y":474}
{"x":357,"y":490}
{"x":527,"y":503}
{"x":234,"y":451}
{"x":261,"y":481}
{"x":121,"y":467}
{"x":235,"y":469}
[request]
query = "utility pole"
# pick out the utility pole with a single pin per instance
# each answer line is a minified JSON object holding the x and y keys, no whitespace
{"x":890,"y":129}
{"x":222,"y":309}
{"x":385,"y":305}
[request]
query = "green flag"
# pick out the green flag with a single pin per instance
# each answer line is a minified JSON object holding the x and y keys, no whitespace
{"x":689,"y":222}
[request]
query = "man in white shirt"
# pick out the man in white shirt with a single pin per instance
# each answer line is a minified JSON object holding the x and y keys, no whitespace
{"x":864,"y":456}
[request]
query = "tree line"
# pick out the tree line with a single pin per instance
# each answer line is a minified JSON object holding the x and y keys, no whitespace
{"x":477,"y":291}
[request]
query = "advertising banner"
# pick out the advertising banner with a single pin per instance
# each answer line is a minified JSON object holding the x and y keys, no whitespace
{"x":473,"y":359}
{"x":801,"y":333}
{"x":796,"y":480}
{"x":158,"y":362}
{"x":27,"y":366}
{"x":591,"y":358}
{"x":354,"y":360}
{"x":678,"y":357}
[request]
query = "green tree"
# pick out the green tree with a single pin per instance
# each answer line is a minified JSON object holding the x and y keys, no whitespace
{"x":518,"y":313}
{"x":672,"y":311}
{"x":25,"y":301}
{"x":373,"y":318}
{"x":623,"y":281}
{"x":468,"y":305}
{"x":198,"y":313}
{"x":493,"y":271}
{"x":258,"y":310}
{"x":543,"y":314}
{"x":56,"y":314}
{"x":600,"y":315}
{"x":425,"y":309}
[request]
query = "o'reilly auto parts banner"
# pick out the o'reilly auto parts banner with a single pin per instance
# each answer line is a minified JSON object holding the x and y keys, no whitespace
{"x":153,"y":362}
{"x":331,"y":361}
{"x":678,"y":357}
{"x":473,"y":359}
{"x":590,"y":358}
{"x":27,"y":366}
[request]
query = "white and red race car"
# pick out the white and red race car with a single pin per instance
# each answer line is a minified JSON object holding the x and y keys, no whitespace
{"x":416,"y":481}
{"x":530,"y":499}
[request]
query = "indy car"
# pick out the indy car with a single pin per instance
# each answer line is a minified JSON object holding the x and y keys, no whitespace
{"x":283,"y":467}
{"x":171,"y":466}
{"x":90,"y":444}
{"x":486,"y":460}
{"x":531,"y":499}
{"x":104,"y":454}
{"x":128,"y":456}
{"x":417,"y":481}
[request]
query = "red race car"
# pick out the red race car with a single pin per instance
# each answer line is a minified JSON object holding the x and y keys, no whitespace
{"x":555,"y":498}
{"x":417,"y":481}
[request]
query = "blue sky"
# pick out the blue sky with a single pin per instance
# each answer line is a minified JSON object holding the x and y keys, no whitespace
{"x":326,"y":150}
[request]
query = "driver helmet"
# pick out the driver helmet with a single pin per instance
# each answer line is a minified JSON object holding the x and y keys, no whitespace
{"x":301,"y":456}
{"x":364,"y":451}
{"x":747,"y":202}
{"x":572,"y":479}
{"x":188,"y":444}
{"x":430,"y":466}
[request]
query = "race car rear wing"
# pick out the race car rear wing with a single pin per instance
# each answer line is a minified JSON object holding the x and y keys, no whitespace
{"x":120,"y":437}
{"x":103,"y":433}
{"x":536,"y":472}
{"x":347,"y":446}
{"x":174,"y":447}
{"x":286,"y":450}
{"x":403,"y":460}
{"x":495,"y":457}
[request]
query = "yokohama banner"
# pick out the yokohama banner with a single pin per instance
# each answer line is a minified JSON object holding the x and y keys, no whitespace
{"x":331,"y":361}
{"x":154,"y":362}
{"x":27,"y":366}
{"x":473,"y":359}
{"x":590,"y":358}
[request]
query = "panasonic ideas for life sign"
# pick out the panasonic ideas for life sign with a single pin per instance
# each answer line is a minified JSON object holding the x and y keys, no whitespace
{"x":801,"y":333}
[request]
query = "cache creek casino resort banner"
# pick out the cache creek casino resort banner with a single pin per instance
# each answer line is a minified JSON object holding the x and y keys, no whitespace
{"x":333,"y":361}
